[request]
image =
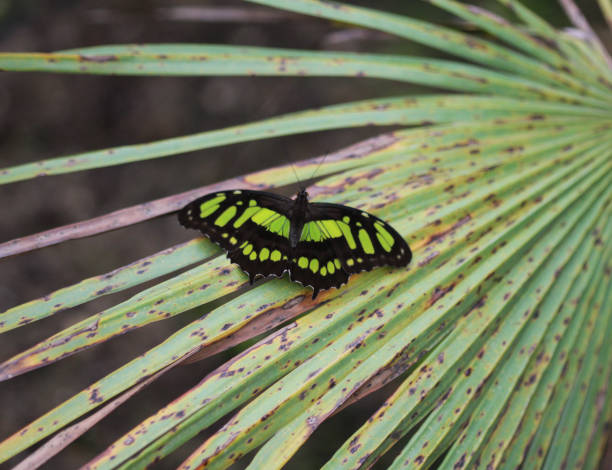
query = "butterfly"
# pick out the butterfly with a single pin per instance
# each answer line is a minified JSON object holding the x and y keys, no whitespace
{"x":320,"y":244}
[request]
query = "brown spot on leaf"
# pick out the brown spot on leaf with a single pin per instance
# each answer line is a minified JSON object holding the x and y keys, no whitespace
{"x":95,"y":397}
{"x":98,"y":58}
{"x":438,"y":293}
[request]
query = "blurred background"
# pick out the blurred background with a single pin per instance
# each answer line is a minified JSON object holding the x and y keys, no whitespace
{"x":46,"y":115}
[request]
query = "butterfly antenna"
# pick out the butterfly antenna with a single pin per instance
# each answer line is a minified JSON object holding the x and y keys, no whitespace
{"x":319,"y":165}
{"x":297,"y":177}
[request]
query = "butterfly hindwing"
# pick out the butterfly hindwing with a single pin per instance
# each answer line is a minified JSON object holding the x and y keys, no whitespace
{"x":316,"y":264}
{"x":260,"y":256}
{"x":250,"y":225}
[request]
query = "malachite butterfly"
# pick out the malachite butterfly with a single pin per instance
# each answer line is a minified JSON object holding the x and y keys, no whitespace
{"x":319,"y":244}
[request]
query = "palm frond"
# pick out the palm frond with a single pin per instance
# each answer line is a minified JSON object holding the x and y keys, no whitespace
{"x":494,"y":339}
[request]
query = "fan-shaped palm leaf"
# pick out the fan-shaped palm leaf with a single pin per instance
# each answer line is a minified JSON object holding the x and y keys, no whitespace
{"x":494,"y":338}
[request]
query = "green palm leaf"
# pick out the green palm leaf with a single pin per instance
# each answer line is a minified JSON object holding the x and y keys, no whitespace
{"x":493,"y":341}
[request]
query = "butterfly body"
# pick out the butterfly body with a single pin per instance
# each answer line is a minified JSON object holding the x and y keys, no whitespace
{"x":319,"y":244}
{"x":297,"y":216}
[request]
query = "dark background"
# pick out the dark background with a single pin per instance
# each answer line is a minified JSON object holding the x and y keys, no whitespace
{"x":46,"y":115}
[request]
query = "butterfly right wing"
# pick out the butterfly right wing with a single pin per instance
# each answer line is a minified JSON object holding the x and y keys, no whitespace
{"x":338,"y":241}
{"x":361,"y":240}
{"x":252,"y":226}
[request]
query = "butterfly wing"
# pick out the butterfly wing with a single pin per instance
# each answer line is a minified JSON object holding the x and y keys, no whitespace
{"x":252,"y":226}
{"x":338,"y":240}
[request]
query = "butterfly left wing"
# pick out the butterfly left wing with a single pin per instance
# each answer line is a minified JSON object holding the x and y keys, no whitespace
{"x":251,"y":226}
{"x":338,"y":240}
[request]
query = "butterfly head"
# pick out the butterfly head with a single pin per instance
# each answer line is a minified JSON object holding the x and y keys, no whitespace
{"x":302,"y":195}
